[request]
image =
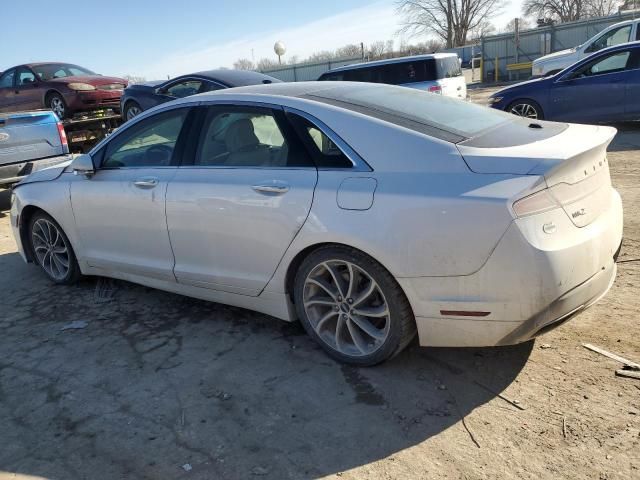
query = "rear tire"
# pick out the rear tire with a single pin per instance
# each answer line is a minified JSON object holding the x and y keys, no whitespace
{"x":52,"y":250}
{"x":526,"y":108}
{"x":352,"y":306}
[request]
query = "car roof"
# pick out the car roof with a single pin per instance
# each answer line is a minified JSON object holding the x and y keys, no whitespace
{"x":389,"y":61}
{"x":233,"y":78}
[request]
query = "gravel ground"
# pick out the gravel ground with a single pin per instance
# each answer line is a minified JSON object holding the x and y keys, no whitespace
{"x":150,"y":385}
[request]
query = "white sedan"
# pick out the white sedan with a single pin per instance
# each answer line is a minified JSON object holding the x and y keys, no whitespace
{"x":368,"y":212}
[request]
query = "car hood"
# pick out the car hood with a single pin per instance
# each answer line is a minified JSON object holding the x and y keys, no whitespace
{"x":146,"y":85}
{"x":555,"y":55}
{"x":95,"y":80}
{"x":522,"y":85}
{"x":47,"y":174}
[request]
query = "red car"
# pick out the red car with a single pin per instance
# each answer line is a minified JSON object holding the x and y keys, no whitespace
{"x":61,"y":87}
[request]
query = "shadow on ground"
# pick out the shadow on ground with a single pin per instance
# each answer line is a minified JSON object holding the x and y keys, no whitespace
{"x":5,"y":202}
{"x":628,"y":137}
{"x":150,"y":381}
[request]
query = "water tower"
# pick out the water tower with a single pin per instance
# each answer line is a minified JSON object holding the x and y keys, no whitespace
{"x":280,"y":50}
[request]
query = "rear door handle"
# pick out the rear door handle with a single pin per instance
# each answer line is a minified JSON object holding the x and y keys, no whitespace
{"x":275,"y":188}
{"x":146,"y":182}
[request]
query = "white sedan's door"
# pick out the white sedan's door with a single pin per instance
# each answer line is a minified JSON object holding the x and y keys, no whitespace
{"x":120,"y":210}
{"x":233,"y":213}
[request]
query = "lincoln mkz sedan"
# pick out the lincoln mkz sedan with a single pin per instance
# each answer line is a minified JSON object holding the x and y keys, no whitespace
{"x":368,"y":212}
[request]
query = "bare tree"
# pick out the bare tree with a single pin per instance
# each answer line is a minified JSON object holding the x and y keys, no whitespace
{"x":603,"y":8}
{"x":523,"y":24}
{"x":570,"y":10}
{"x":267,"y":64}
{"x":349,"y":51}
{"x":380,"y":49}
{"x":321,"y":56}
{"x":561,"y":10}
{"x":451,"y":20}
{"x":132,"y":79}
{"x":485,"y":28}
{"x":243,"y":64}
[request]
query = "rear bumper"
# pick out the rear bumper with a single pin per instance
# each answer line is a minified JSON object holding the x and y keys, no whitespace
{"x":531,"y":282}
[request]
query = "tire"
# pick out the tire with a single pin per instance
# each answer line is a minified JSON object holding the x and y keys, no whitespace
{"x":52,"y":250}
{"x":131,"y":109}
{"x":56,"y":103}
{"x":525,"y":105}
{"x":360,"y":323}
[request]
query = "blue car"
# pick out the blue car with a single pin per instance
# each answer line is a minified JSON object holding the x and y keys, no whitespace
{"x":142,"y":96}
{"x":602,"y":88}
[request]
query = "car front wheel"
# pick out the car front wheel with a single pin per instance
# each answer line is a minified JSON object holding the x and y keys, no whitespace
{"x":52,"y":250}
{"x":352,"y":306}
{"x":527,"y":109}
{"x":131,"y":110}
{"x":56,"y":103}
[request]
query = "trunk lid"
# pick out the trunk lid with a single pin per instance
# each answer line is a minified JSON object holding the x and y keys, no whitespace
{"x":572,"y":164}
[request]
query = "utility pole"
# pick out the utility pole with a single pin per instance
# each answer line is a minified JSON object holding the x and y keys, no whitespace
{"x":362,"y":50}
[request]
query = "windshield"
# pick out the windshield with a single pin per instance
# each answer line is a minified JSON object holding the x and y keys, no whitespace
{"x":49,"y":71}
{"x":460,"y":118}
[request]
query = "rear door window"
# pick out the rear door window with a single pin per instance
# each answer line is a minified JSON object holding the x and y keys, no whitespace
{"x":409,"y":72}
{"x":6,"y":80}
{"x":249,"y":137}
{"x":325,"y":153}
{"x":449,"y":67}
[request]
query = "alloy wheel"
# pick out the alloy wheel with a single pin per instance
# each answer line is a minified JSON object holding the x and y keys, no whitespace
{"x":57,"y":105}
{"x":524,"y":110}
{"x":346,"y":308}
{"x":51,"y":249}
{"x":133,"y":111}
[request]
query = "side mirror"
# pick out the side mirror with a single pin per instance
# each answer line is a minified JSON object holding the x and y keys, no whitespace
{"x":83,"y":165}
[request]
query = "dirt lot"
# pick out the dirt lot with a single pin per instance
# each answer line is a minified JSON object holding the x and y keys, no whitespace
{"x":158,"y":386}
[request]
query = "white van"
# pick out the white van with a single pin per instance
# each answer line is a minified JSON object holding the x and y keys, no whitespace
{"x":436,"y":73}
{"x":622,"y":32}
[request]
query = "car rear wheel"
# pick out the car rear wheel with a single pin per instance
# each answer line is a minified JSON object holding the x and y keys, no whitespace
{"x":52,"y":250}
{"x":352,"y":306}
{"x":526,"y":108}
{"x":131,"y":110}
{"x":56,"y":103}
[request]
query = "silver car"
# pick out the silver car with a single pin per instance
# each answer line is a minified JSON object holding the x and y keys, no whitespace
{"x":368,"y":212}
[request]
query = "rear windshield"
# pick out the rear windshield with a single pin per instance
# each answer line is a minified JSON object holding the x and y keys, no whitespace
{"x":401,"y":73}
{"x":443,"y":117}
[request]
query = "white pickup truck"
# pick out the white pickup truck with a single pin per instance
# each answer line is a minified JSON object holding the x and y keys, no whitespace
{"x":616,"y":34}
{"x":30,"y":141}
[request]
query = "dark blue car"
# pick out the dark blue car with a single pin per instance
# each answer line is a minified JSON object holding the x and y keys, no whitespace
{"x":604,"y":87}
{"x":142,"y":96}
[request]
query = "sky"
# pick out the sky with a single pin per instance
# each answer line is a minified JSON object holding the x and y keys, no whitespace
{"x":168,"y":38}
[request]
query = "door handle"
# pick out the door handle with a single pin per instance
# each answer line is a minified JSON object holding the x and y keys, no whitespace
{"x":146,"y":182}
{"x":275,"y":187}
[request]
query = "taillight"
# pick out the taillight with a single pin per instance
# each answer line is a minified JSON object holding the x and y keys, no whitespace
{"x":538,"y":202}
{"x":435,"y":89}
{"x":63,"y":135}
